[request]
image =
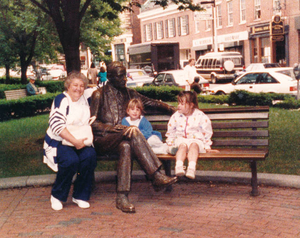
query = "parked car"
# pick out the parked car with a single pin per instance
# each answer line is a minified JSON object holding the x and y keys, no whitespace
{"x":137,"y":77}
{"x":289,"y":71}
{"x":257,"y":66}
{"x":56,"y":71}
{"x":176,"y":78}
{"x":219,"y":66}
{"x":268,"y":81}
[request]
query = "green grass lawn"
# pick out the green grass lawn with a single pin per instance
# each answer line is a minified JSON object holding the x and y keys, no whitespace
{"x":22,"y":141}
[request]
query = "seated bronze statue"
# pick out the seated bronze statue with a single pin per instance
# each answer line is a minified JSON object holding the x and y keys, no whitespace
{"x":109,"y":106}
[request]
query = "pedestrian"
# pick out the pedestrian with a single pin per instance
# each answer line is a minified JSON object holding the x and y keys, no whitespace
{"x":190,"y":73}
{"x":63,"y":152}
{"x":196,"y":86}
{"x":189,"y":131}
{"x":92,"y":74}
{"x":102,"y":75}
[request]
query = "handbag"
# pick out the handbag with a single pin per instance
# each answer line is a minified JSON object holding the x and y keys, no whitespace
{"x":80,"y":132}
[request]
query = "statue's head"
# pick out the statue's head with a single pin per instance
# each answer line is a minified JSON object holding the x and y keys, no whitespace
{"x":116,"y":74}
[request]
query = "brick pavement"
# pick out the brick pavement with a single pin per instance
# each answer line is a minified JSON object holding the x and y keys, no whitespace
{"x":192,"y":209}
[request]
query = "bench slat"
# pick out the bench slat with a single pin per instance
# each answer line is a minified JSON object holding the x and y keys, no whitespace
{"x":239,"y":133}
{"x":241,"y":142}
{"x":236,"y":125}
{"x":237,"y":116}
{"x":228,"y":154}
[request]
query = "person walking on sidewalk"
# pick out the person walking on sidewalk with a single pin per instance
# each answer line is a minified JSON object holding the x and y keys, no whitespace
{"x":70,"y":108}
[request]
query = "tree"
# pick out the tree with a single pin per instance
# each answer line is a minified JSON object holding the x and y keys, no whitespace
{"x":20,"y":26}
{"x":8,"y":54}
{"x":68,"y":16}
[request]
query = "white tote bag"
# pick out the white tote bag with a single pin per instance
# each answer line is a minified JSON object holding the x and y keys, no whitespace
{"x":80,"y":132}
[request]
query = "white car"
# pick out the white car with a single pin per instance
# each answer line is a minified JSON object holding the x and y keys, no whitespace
{"x":176,"y":78}
{"x":137,"y":78}
{"x":56,"y":71}
{"x":257,"y":67}
{"x":267,"y":81}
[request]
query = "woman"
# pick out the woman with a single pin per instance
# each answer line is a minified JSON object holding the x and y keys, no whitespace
{"x":70,"y":108}
{"x":92,"y":74}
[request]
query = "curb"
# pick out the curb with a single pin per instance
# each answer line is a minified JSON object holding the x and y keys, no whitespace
{"x":281,"y":180}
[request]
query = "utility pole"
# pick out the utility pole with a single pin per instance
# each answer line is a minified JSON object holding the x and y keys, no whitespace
{"x":214,"y":15}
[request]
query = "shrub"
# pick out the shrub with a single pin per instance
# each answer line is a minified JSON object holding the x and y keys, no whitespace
{"x":242,"y":97}
{"x":217,"y":99}
{"x":164,"y":93}
{"x":288,"y":103}
{"x":27,"y":106}
{"x":51,"y":86}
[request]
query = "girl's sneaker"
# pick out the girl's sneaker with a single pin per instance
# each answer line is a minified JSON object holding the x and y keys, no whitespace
{"x":190,"y":173}
{"x":179,"y":170}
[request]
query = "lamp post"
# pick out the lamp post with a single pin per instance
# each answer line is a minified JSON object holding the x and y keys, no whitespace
{"x":214,"y":14}
{"x":297,"y":74}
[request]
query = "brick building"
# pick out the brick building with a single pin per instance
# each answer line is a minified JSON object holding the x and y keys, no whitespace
{"x":263,"y":31}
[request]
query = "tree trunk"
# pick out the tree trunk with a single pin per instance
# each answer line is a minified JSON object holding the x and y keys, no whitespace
{"x":7,"y":78}
{"x":24,"y":66}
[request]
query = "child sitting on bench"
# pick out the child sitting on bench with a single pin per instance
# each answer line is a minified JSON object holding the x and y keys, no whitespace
{"x":134,"y":111}
{"x":189,"y":131}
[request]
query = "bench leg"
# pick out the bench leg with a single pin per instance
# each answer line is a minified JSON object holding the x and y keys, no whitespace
{"x":254,"y":185}
{"x":167,"y":167}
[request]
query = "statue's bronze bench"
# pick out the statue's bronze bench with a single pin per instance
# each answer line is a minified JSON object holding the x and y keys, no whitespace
{"x":240,"y":134}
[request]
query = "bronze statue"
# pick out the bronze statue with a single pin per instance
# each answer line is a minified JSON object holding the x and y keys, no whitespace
{"x":110,"y":137}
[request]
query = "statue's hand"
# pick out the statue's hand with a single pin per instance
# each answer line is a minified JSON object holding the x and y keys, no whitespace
{"x":116,"y":128}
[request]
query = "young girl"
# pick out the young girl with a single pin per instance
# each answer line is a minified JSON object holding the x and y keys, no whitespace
{"x":134,"y":110}
{"x":189,"y":130}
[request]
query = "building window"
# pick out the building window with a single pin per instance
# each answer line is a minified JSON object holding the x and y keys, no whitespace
{"x":159,"y":30}
{"x":242,"y":10}
{"x":148,"y":32}
{"x":171,"y":28}
{"x":183,"y":25}
{"x":208,"y":25}
{"x":219,"y":16}
{"x":257,"y":12}
{"x":230,"y":13}
{"x":197,"y":26}
{"x":276,"y":7}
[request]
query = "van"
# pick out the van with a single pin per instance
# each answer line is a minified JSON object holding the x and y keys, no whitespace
{"x":219,"y":66}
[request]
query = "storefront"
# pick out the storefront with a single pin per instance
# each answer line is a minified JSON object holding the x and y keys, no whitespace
{"x":227,"y":42}
{"x":268,"y":42}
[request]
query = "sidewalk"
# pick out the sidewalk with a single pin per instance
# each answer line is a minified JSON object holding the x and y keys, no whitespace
{"x":281,"y":180}
{"x":201,"y":208}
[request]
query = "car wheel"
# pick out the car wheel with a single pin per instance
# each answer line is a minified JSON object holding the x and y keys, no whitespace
{"x":213,"y":78}
{"x":220,"y":93}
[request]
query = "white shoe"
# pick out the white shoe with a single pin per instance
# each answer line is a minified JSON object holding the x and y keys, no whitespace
{"x":190,"y":173}
{"x":55,"y":204}
{"x":81,"y":203}
{"x":179,"y":170}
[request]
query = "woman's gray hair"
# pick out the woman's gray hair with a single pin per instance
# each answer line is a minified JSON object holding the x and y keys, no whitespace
{"x":75,"y":75}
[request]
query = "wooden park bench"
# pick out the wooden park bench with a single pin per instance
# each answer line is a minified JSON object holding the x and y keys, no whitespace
{"x":20,"y":93}
{"x":240,"y":134}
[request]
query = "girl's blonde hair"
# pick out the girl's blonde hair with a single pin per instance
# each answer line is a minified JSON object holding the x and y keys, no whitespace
{"x":190,"y":98}
{"x":136,"y":102}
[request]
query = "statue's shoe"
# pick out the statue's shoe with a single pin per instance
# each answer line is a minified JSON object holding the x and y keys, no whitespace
{"x":123,"y":204}
{"x":161,"y":181}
